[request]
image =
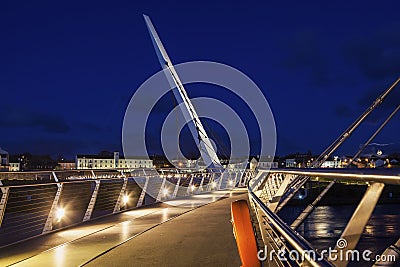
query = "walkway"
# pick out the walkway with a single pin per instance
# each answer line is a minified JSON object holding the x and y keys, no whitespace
{"x":194,"y":231}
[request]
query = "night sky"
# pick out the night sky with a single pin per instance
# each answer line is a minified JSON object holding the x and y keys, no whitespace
{"x":68,"y":69}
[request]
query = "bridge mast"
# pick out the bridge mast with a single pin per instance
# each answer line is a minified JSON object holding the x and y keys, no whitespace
{"x":197,"y":130}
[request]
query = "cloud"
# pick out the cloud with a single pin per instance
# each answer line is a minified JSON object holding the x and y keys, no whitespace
{"x":305,"y":54}
{"x":377,"y":144}
{"x":18,"y":117}
{"x":378,"y":56}
{"x":288,"y":145}
{"x":87,"y":126}
{"x":342,"y":111}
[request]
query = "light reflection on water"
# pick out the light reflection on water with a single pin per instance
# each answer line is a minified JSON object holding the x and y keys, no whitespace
{"x":325,"y":225}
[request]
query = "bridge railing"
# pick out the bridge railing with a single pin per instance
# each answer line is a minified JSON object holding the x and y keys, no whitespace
{"x":281,"y":230}
{"x":267,"y":188}
{"x":29,"y":208}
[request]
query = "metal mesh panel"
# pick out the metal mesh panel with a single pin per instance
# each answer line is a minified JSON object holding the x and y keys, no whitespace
{"x":26,"y":212}
{"x":107,"y":197}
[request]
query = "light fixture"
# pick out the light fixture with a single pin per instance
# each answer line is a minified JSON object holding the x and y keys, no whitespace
{"x":125,"y":199}
{"x":193,"y":187}
{"x":60,"y":212}
{"x":165,"y":192}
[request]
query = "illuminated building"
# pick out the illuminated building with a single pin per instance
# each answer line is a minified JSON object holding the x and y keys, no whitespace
{"x":111,"y":161}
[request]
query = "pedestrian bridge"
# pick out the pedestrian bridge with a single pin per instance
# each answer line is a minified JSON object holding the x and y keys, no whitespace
{"x":109,"y":219}
{"x":76,"y":218}
{"x":191,"y":231}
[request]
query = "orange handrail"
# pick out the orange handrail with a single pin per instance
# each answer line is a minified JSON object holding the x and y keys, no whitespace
{"x":244,"y":234}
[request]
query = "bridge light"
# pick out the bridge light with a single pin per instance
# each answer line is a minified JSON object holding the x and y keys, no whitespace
{"x":165,"y":192}
{"x":125,"y":199}
{"x":60,"y":212}
{"x":230,"y":182}
{"x":213,"y":184}
{"x":193,"y":187}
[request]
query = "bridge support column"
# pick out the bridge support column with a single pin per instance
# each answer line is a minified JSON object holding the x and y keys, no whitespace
{"x":176,"y":188}
{"x":220,"y":179}
{"x":243,"y":178}
{"x":190,"y":184}
{"x":49,"y":222}
{"x":143,"y":194}
{"x":201,"y":183}
{"x":160,"y":193}
{"x":356,"y":225}
{"x":3,"y":202}
{"x":307,"y":211}
{"x":282,"y":188}
{"x":235,"y":181}
{"x":121,"y":195}
{"x":241,"y":174}
{"x":92,"y":202}
{"x":211,"y":184}
{"x":249,"y":175}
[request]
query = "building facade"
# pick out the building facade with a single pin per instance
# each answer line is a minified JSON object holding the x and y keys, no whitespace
{"x":332,"y":164}
{"x":290,"y":163}
{"x":267,"y":164}
{"x":4,"y":160}
{"x":114,"y":161}
{"x":66,"y":165}
{"x":15,"y":166}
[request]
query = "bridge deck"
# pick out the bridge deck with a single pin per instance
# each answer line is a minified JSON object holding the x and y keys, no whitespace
{"x":162,"y":234}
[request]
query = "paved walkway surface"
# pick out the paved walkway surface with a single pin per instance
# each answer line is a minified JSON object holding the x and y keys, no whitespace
{"x":194,"y":231}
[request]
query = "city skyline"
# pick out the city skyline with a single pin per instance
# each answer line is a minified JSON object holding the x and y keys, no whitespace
{"x":69,"y":70}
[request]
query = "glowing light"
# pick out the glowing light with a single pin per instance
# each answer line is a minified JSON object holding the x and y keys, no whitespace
{"x":193,"y":187}
{"x":230,"y":182}
{"x":125,"y":199}
{"x":213,"y":184}
{"x":165,"y":192}
{"x":60,"y":212}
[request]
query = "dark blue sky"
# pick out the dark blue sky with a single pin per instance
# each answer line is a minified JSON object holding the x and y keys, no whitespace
{"x":68,"y":69}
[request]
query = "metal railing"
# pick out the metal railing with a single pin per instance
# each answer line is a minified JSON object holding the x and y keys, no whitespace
{"x":295,"y":240}
{"x":265,"y":192}
{"x":31,"y":208}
